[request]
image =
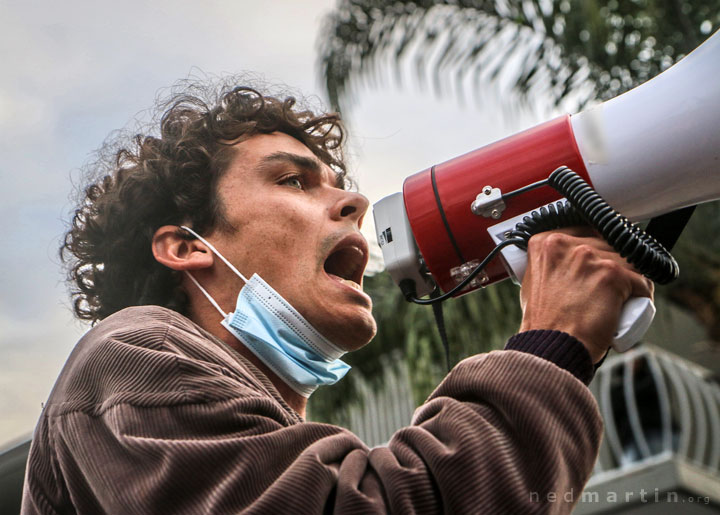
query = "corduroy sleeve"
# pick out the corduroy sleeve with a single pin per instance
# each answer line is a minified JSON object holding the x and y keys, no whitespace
{"x":564,"y":350}
{"x":500,"y":433}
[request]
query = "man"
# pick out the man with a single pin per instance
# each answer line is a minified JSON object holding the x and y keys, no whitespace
{"x":166,"y":405}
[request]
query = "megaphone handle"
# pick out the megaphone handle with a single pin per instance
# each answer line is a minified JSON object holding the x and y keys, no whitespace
{"x":635,"y":318}
{"x":640,"y":248}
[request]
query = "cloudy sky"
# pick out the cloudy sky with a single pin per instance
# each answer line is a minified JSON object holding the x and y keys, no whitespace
{"x":74,"y":71}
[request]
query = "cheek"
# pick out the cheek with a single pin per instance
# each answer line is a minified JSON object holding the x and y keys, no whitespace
{"x":285,"y":250}
{"x":300,"y":232}
{"x":284,"y":239}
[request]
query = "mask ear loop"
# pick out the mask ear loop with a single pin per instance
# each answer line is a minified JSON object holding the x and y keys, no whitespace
{"x":212,"y":301}
{"x":228,"y":263}
{"x":215,"y":251}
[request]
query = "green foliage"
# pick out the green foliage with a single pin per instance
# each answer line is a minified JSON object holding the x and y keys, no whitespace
{"x":574,"y":50}
{"x":477,"y":322}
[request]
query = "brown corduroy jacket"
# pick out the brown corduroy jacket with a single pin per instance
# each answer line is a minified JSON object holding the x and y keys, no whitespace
{"x":152,"y":414}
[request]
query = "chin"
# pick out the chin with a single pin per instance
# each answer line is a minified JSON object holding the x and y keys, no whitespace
{"x":355,"y":333}
{"x":361,"y":337}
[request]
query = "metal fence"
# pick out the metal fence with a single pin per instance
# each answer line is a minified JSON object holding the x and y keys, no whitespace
{"x":384,"y":411}
{"x":655,"y":403}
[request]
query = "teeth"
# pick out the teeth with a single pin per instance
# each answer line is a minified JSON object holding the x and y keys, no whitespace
{"x":346,"y":281}
{"x":352,"y":283}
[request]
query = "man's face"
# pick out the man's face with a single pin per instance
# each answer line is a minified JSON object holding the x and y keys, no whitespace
{"x":300,"y":233}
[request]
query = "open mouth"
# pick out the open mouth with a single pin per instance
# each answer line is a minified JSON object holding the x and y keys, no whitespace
{"x":346,"y":263}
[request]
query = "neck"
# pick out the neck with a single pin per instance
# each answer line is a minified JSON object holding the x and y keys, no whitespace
{"x":293,"y":399}
{"x":208,"y":320}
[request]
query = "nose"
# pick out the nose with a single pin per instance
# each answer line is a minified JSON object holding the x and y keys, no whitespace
{"x":350,"y":206}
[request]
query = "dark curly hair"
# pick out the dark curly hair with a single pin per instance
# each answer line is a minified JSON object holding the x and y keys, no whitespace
{"x":171,"y":179}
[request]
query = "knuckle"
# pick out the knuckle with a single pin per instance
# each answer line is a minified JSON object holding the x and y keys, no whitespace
{"x":583,"y":252}
{"x":557,"y":239}
{"x":610,"y":273}
{"x":644,"y":286}
{"x":614,"y":269}
{"x":536,"y":241}
{"x":551,"y":242}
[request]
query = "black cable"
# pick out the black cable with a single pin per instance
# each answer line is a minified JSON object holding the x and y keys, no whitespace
{"x":440,"y":323}
{"x":410,"y":292}
{"x":586,"y":207}
{"x":525,"y":189}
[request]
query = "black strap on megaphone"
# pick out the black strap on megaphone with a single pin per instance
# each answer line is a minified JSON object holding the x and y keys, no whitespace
{"x":440,"y":324}
{"x":666,"y":229}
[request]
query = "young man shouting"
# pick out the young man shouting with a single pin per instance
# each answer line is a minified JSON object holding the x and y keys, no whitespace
{"x":221,"y":264}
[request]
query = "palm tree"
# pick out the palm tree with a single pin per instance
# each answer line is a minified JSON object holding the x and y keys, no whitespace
{"x":575,"y":50}
{"x":572,"y":51}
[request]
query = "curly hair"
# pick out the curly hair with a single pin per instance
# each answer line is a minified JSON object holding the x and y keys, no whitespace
{"x":172,"y":179}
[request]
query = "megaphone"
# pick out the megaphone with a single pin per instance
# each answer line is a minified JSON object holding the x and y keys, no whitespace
{"x":650,"y":151}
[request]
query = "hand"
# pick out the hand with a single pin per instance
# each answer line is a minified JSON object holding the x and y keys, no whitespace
{"x":575,"y":282}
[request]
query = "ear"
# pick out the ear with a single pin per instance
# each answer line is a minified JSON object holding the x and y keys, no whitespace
{"x":175,"y":252}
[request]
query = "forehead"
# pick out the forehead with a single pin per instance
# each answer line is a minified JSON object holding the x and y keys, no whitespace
{"x":263,"y":153}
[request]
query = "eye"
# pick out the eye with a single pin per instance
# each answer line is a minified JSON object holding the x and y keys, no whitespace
{"x":294,"y":182}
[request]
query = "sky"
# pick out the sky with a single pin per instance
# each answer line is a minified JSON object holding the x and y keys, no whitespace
{"x":74,"y":71}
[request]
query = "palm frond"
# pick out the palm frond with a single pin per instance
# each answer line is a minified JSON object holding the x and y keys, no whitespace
{"x":446,"y":42}
{"x":569,"y":50}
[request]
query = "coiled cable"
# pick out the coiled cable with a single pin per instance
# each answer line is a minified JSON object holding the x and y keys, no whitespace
{"x":586,"y":207}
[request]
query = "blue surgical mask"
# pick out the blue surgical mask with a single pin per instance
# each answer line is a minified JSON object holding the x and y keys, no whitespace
{"x":277,"y":334}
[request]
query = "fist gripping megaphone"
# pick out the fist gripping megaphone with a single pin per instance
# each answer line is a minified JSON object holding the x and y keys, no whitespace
{"x":647,"y":152}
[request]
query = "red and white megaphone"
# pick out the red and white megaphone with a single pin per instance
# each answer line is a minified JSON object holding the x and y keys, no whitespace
{"x":650,"y":151}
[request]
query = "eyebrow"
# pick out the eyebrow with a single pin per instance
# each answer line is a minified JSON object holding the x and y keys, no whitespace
{"x":310,"y":164}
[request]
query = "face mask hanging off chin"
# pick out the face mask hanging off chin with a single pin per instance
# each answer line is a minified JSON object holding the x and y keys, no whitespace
{"x":278,"y":335}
